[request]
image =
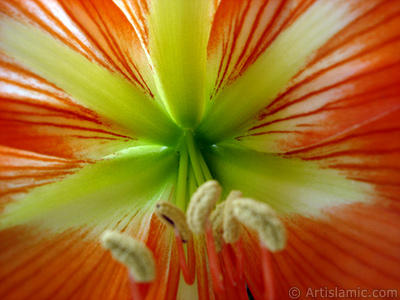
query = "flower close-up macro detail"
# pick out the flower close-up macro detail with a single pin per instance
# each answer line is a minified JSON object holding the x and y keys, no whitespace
{"x":199,"y":149}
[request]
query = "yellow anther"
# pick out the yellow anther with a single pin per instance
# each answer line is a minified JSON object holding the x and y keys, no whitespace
{"x":231,"y":225}
{"x":201,"y":205}
{"x":262,"y":218}
{"x":174,"y":217}
{"x":132,"y":253}
{"x":217,"y":219}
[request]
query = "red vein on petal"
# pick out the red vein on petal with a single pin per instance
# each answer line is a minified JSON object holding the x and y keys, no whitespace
{"x":38,"y":259}
{"x":261,"y":45}
{"x":71,"y":37}
{"x":326,"y":258}
{"x":255,"y":25}
{"x":348,"y":40}
{"x":66,"y":126}
{"x":326,"y":70}
{"x":45,"y":105}
{"x":123,"y":58}
{"x":61,"y":290}
{"x":103,"y":275}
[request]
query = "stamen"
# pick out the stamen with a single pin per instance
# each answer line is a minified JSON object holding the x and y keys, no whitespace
{"x":231,"y":226}
{"x":216,"y":273}
{"x":191,"y":260}
{"x":132,"y":253}
{"x":198,"y":212}
{"x":262,"y":218}
{"x":217,"y":219}
{"x":269,"y":286}
{"x":265,"y":221}
{"x":187,"y":274}
{"x":139,"y":290}
{"x":174,"y":217}
{"x":226,"y":257}
{"x":201,"y":205}
{"x":239,"y":258}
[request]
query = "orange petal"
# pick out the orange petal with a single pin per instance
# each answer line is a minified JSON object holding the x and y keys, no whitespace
{"x":349,"y":82}
{"x":289,"y":37}
{"x":107,"y":28}
{"x":73,"y":265}
{"x":37,"y":116}
{"x":242,"y":30}
{"x":96,"y":29}
{"x":161,"y":240}
{"x":21,"y":171}
{"x":354,"y":247}
{"x":91,"y":70}
{"x":60,"y":267}
{"x":370,"y":154}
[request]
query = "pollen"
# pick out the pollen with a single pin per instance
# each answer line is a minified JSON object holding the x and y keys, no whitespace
{"x":201,"y":205}
{"x":132,"y":253}
{"x":231,"y":225}
{"x":174,"y":217}
{"x":217,"y":219}
{"x":262,"y":218}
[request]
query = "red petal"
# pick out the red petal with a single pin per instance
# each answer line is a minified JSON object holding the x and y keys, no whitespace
{"x":351,"y":81}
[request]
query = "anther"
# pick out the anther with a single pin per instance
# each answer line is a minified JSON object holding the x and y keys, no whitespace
{"x":262,"y":218}
{"x":201,"y":205}
{"x":231,"y":227}
{"x":174,"y":217}
{"x":132,"y":253}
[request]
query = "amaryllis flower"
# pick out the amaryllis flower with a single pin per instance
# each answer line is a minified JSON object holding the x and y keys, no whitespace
{"x":109,"y":107}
